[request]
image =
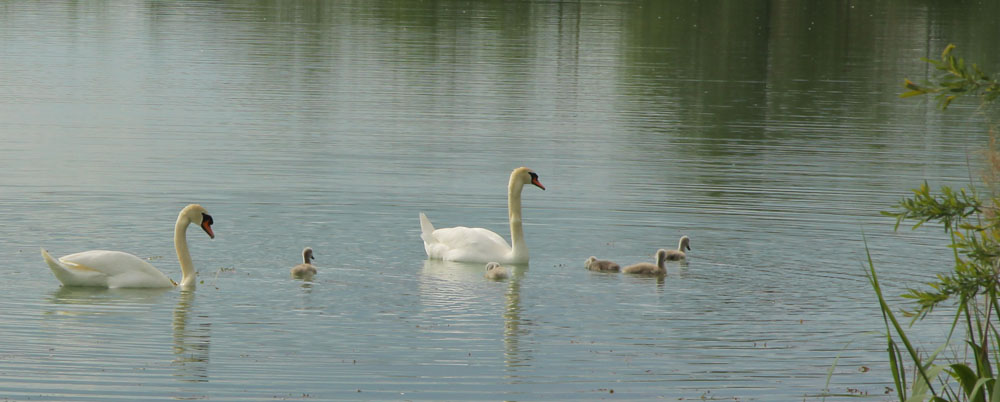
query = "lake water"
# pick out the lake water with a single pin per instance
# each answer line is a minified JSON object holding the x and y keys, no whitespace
{"x":768,"y":132}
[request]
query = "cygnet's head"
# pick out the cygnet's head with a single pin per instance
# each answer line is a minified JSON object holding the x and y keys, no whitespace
{"x":684,"y":244}
{"x":492,"y":265}
{"x":661,"y":255}
{"x":307,"y":255}
{"x":589,"y":261}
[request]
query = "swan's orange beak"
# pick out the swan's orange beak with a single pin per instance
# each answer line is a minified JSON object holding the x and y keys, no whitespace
{"x":534,"y":180}
{"x":206,"y":224}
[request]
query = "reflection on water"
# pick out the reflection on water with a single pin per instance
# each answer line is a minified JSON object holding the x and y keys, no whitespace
{"x":461,"y":288}
{"x":515,"y":327}
{"x":659,"y":280}
{"x":191,"y":340}
{"x":682,"y":267}
{"x":94,"y":296}
{"x":452,"y":271}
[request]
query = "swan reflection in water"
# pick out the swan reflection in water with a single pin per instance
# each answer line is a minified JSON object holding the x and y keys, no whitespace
{"x":659,"y":280}
{"x":191,"y":340}
{"x":514,"y":356}
{"x":86,"y":305}
{"x":94,"y":296}
{"x":452,"y":287}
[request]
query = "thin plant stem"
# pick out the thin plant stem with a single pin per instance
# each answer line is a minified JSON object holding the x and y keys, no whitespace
{"x":887,"y":313}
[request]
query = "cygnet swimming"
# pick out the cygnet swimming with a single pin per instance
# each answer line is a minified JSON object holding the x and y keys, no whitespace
{"x":645,"y":268}
{"x":305,"y":269}
{"x":594,"y":264}
{"x":495,"y":271}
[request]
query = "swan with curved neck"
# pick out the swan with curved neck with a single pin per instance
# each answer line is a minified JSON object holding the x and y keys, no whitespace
{"x":482,"y":245}
{"x":305,"y":269}
{"x":116,"y":269}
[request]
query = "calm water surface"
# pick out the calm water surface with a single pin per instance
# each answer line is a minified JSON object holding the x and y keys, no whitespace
{"x":769,"y":133}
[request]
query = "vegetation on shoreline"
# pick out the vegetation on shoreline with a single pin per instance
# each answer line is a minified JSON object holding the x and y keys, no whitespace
{"x":970,"y":217}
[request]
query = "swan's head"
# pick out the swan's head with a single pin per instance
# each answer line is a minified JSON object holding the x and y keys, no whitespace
{"x":197,"y":215}
{"x":492,"y":265}
{"x":684,"y":244}
{"x":524,"y":176}
{"x":589,"y":261}
{"x":307,"y":254}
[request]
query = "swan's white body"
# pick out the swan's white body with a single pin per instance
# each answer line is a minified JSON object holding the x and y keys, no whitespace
{"x":495,"y":271}
{"x":116,"y":269}
{"x":645,"y":268}
{"x":106,"y":269}
{"x":675,"y":255}
{"x":478,"y":244}
{"x":305,"y":269}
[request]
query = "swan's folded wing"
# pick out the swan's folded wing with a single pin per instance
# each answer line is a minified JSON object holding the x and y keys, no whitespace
{"x":123,"y":269}
{"x":467,"y":244}
{"x":462,"y":236}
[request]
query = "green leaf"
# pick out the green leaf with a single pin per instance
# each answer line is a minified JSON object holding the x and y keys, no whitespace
{"x":898,"y":375}
{"x":966,"y":377}
{"x":921,"y":386}
{"x":978,"y":391}
{"x":947,"y":101}
{"x":888,"y":316}
{"x":996,"y":392}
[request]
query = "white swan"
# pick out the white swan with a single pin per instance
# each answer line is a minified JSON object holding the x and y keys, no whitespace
{"x":645,"y":268}
{"x":115,"y":269}
{"x":594,"y":264}
{"x":305,"y":269}
{"x":495,"y":271}
{"x":674,"y":255}
{"x":478,"y":244}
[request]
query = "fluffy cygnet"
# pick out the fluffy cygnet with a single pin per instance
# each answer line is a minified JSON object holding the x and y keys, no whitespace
{"x":645,"y":268}
{"x":675,"y":255}
{"x":305,"y":269}
{"x":594,"y":264}
{"x":495,"y":271}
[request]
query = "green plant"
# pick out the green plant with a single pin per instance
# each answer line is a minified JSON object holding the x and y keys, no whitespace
{"x":956,"y":78}
{"x":970,"y":217}
{"x":973,"y":284}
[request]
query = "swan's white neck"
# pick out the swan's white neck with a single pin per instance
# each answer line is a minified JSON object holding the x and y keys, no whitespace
{"x":183,"y":256}
{"x":519,"y":249}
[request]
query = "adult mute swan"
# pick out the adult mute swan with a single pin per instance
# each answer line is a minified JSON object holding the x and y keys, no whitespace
{"x":115,"y":269}
{"x":478,"y":244}
{"x":645,"y":268}
{"x":674,"y":255}
{"x":305,"y":269}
